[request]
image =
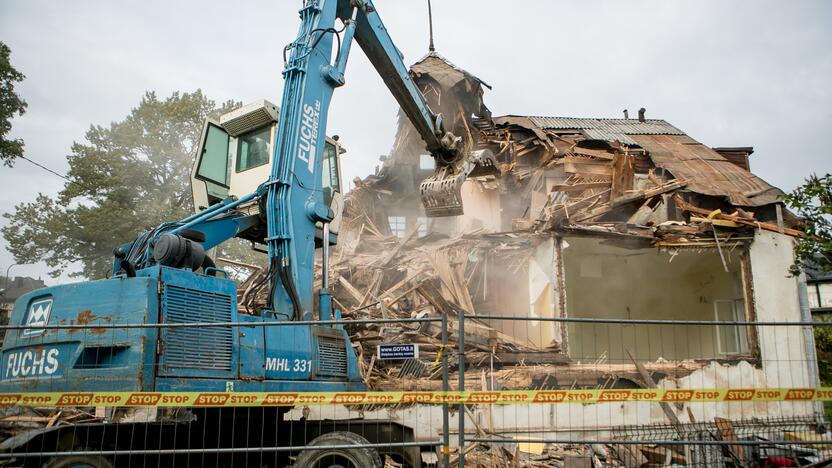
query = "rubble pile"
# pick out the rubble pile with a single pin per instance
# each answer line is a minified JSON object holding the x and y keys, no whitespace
{"x":640,"y":178}
{"x":386,"y":277}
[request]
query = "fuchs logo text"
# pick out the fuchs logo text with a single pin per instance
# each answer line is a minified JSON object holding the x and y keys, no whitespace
{"x":309,"y":134}
{"x":31,"y":362}
{"x":38,"y":316}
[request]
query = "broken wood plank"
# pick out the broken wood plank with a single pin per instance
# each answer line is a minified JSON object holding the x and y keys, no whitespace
{"x":392,"y":254}
{"x":353,"y":292}
{"x":25,"y":419}
{"x":461,"y":287}
{"x":430,"y":291}
{"x":580,"y":187}
{"x":532,"y":358}
{"x":631,"y":457}
{"x":575,"y":165}
{"x":685,"y":206}
{"x":591,"y":214}
{"x":407,"y":279}
{"x":727,"y":433}
{"x":643,"y":215}
{"x":54,"y":419}
{"x":715,"y":221}
{"x":622,"y":175}
{"x":663,"y":455}
{"x":402,"y":295}
{"x":375,"y":283}
{"x":650,"y":383}
{"x":650,"y":193}
{"x":594,"y":153}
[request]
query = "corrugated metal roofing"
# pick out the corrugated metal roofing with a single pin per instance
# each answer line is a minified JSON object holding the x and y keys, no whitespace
{"x":706,"y":171}
{"x":608,"y":129}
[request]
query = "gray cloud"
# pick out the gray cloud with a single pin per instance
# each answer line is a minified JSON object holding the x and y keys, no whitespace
{"x":728,"y":73}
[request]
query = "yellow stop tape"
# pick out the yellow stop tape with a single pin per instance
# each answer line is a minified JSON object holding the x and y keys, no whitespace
{"x":504,"y":397}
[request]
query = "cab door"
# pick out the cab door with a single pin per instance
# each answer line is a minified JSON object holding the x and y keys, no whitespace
{"x":331,"y":186}
{"x":211,"y":172}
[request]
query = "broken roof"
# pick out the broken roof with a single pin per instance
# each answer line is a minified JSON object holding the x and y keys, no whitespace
{"x":707,"y":172}
{"x":643,"y":179}
{"x":608,"y":129}
{"x":443,"y":71}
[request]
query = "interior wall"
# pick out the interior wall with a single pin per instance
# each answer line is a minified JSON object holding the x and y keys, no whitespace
{"x":527,"y":290}
{"x":481,"y":208}
{"x":608,"y":281}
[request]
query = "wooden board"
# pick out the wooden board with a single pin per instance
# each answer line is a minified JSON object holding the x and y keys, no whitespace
{"x":575,"y":165}
{"x":622,"y":175}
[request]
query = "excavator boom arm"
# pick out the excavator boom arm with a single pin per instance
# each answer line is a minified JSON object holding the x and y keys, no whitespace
{"x":294,"y":198}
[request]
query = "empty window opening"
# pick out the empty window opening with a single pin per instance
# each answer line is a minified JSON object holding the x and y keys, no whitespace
{"x":820,"y":295}
{"x":398,"y":225}
{"x":513,"y":283}
{"x":611,"y":281}
{"x":423,"y":226}
{"x":426,"y":162}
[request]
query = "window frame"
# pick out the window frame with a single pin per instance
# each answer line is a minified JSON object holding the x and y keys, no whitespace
{"x":269,"y":126}
{"x":391,"y":219}
{"x":424,"y":223}
{"x":738,"y":313}
{"x":330,"y":164}
{"x":202,"y":149}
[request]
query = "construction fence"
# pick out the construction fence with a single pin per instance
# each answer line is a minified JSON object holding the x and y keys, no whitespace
{"x":612,"y":392}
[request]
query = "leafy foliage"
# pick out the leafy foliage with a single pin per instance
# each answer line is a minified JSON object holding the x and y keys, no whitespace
{"x":813,"y":202}
{"x":126,"y":178}
{"x":823,"y":347}
{"x":10,"y":104}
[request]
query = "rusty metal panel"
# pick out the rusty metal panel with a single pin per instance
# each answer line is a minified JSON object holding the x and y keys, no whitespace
{"x":707,"y":172}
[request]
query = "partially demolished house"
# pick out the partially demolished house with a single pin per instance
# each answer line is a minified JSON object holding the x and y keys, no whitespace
{"x":584,"y":218}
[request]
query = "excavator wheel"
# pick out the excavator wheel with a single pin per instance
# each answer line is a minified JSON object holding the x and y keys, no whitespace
{"x":359,"y":457}
{"x":78,"y":462}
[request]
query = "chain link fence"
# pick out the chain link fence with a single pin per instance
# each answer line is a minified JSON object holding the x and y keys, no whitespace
{"x":613,"y":392}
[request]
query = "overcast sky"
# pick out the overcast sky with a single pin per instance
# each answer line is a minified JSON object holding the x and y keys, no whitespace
{"x":739,"y":73}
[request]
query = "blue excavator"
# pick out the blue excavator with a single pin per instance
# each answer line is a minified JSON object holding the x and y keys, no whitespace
{"x":167,"y":276}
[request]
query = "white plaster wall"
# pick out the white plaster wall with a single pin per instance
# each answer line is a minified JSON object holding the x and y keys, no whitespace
{"x":481,"y":208}
{"x":782,"y":349}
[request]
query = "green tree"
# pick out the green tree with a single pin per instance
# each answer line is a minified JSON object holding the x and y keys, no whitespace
{"x":823,"y":346}
{"x":813,"y":203}
{"x":10,"y":104}
{"x":125,"y":178}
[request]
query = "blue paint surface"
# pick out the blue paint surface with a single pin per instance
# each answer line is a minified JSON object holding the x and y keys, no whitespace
{"x":244,"y":358}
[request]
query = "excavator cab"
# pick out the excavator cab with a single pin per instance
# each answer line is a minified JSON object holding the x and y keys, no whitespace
{"x":235,"y":156}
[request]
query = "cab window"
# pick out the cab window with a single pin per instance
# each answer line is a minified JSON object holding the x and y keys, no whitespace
{"x":253,"y":149}
{"x":330,"y":180}
{"x":213,"y":165}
